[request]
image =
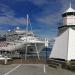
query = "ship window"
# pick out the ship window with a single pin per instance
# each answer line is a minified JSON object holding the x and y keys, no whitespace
{"x":29,"y":35}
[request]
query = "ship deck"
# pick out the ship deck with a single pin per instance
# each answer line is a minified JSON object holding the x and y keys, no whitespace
{"x":32,"y":69}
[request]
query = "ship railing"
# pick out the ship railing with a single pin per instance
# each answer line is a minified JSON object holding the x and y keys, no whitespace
{"x":3,"y":44}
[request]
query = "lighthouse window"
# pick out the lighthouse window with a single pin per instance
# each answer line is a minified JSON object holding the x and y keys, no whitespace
{"x":69,"y":13}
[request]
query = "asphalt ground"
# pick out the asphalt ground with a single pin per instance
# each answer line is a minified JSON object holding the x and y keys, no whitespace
{"x":32,"y":69}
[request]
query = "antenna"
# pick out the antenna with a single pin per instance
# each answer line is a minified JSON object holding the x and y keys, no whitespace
{"x":70,"y":4}
{"x":30,"y":25}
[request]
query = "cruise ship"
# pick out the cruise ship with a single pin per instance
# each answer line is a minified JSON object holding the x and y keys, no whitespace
{"x":17,"y":40}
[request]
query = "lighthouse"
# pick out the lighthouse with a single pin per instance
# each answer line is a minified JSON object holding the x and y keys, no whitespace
{"x":64,"y":46}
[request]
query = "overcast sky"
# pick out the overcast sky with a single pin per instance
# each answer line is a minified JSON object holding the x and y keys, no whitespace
{"x":45,"y":15}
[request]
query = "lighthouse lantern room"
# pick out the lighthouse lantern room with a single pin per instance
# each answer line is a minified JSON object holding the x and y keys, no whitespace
{"x":69,"y":16}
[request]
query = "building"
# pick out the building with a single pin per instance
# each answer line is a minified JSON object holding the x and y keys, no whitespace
{"x":64,"y":46}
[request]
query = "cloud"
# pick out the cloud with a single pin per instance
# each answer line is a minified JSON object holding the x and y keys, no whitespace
{"x":65,"y":4}
{"x":39,"y":2}
{"x":51,"y":16}
{"x":21,"y":20}
{"x":7,"y":16}
{"x":12,"y":21}
{"x":44,"y":20}
{"x":49,"y":19}
{"x":6,"y":10}
{"x":35,"y":2}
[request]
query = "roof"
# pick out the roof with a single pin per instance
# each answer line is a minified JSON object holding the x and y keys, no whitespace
{"x":70,"y":9}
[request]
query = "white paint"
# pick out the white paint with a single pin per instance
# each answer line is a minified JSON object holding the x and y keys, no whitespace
{"x":71,"y":45}
{"x":37,"y":51}
{"x":12,"y":70}
{"x":60,"y":46}
{"x":64,"y":47}
{"x":5,"y":60}
{"x":44,"y":67}
{"x":46,"y":42}
{"x":69,"y":20}
{"x":70,"y":9}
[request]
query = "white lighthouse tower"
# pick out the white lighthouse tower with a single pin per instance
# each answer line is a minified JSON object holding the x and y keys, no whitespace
{"x":64,"y":47}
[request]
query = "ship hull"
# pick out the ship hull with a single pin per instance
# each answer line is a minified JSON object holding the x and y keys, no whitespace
{"x":22,"y":46}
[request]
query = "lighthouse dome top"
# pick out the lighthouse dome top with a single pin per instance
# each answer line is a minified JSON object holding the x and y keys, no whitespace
{"x":70,"y":9}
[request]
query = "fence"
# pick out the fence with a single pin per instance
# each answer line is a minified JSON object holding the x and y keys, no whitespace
{"x":31,"y":58}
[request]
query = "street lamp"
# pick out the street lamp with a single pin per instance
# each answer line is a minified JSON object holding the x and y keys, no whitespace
{"x":46,"y":46}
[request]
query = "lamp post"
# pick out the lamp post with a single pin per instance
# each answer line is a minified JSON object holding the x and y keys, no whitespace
{"x":46,"y":45}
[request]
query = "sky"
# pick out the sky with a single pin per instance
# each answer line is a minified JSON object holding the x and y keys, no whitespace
{"x":45,"y":15}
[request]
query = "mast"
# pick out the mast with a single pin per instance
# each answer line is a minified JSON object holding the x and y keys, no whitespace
{"x":26,"y":37}
{"x":27,"y":23}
